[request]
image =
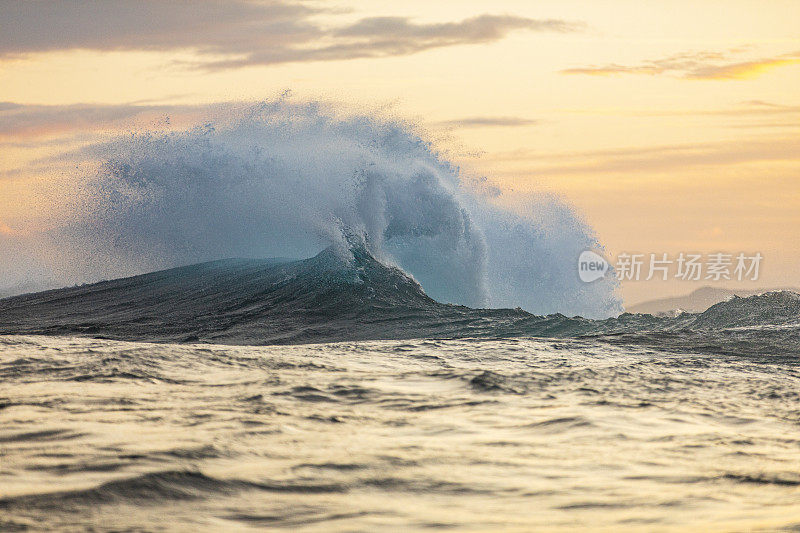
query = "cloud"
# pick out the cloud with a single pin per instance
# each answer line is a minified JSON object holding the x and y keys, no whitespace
{"x":19,"y":122}
{"x":740,"y":71}
{"x":475,"y":29}
{"x":660,"y":158}
{"x":689,"y":155}
{"x":27,"y":125}
{"x":695,"y":65}
{"x":746,"y":108}
{"x":770,"y":105}
{"x":746,"y":114}
{"x":394,"y":36}
{"x":767,"y":125}
{"x":761,"y":107}
{"x":208,"y":26}
{"x":239,"y":32}
{"x":754,"y":114}
{"x":491,"y":122}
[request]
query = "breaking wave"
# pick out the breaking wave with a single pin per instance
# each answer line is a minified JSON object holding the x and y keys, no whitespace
{"x":287,"y":180}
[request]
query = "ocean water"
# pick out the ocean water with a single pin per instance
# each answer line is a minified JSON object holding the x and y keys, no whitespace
{"x":437,"y":365}
{"x":511,"y":434}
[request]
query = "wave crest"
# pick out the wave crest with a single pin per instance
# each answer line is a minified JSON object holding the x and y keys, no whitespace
{"x":281,"y":179}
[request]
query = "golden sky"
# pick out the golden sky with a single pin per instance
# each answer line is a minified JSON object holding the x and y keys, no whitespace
{"x":672,"y":125}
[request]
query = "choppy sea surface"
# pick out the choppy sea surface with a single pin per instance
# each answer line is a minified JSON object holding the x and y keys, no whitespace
{"x":467,"y":435}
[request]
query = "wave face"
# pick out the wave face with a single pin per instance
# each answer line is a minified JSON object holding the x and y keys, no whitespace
{"x":334,"y":296}
{"x":288,"y":180}
{"x":348,"y":295}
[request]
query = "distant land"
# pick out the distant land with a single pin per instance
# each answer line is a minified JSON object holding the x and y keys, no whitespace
{"x":697,"y":301}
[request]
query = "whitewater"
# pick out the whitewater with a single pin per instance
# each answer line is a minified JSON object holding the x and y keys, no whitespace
{"x":284,"y":179}
{"x":288,"y":319}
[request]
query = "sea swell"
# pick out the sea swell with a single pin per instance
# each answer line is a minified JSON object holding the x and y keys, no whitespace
{"x":349,"y":295}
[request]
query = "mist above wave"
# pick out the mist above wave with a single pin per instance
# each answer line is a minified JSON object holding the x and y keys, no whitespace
{"x":282,"y":179}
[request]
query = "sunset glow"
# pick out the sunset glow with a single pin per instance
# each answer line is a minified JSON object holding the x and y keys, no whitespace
{"x":670,"y":126}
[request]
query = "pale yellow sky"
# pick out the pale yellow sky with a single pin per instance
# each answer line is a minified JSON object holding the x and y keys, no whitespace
{"x":672,"y":126}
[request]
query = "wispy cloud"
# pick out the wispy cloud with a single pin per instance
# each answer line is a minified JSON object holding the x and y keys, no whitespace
{"x":659,"y":158}
{"x":393,"y":36}
{"x":759,"y":107}
{"x":19,"y":123}
{"x":239,"y":32}
{"x":208,"y":26}
{"x":760,"y":114}
{"x":748,"y":108}
{"x":488,"y":122}
{"x":695,"y":65}
{"x":740,"y":71}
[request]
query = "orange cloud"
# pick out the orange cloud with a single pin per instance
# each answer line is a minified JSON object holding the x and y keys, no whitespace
{"x":695,"y":65}
{"x":741,"y":71}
